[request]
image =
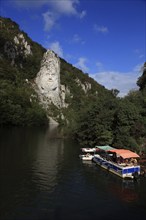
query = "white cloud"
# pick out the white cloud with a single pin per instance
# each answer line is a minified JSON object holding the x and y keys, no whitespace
{"x":64,"y":8}
{"x":67,"y":7}
{"x":99,"y":65}
{"x":81,"y":64}
{"x":101,"y":29}
{"x":77,"y":39}
{"x":124,"y":82}
{"x":82,"y":14}
{"x":56,"y":47}
{"x":29,"y":3}
{"x":49,"y":19}
{"x":56,"y":9}
{"x":141,"y":56}
{"x":138,"y":68}
{"x":139,"y":53}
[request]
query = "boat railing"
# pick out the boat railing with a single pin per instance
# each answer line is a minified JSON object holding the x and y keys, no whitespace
{"x":127,"y":164}
{"x":132,"y":162}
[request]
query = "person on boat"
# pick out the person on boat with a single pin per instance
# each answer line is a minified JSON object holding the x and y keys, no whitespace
{"x":114,"y":157}
{"x":121,"y":160}
{"x":133,"y":161}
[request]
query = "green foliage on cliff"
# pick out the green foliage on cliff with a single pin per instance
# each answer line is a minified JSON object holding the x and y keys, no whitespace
{"x":120,"y":122}
{"x":16,"y":69}
{"x":95,"y":125}
{"x":142,"y":80}
{"x":120,"y":126}
{"x":94,"y":115}
{"x":19,"y":105}
{"x":29,"y":65}
{"x":83,"y":93}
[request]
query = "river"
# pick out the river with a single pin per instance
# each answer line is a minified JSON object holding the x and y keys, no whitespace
{"x":42,"y":177}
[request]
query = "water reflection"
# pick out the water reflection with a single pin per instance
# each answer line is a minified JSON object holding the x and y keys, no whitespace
{"x":126,"y":190}
{"x":87,"y":163}
{"x":42,"y":177}
{"x":30,"y":160}
{"x":48,"y":158}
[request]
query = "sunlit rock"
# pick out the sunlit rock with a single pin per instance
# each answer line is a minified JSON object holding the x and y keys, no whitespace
{"x":48,"y":80}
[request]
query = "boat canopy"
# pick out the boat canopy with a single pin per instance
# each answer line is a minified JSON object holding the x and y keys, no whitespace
{"x":105,"y":148}
{"x":125,"y":154}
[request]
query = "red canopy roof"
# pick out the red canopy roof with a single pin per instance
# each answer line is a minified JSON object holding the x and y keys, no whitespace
{"x":125,"y":153}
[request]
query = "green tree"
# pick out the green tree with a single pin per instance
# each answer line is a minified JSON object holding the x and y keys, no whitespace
{"x":142,"y":80}
{"x":125,"y":120}
{"x":95,"y":125}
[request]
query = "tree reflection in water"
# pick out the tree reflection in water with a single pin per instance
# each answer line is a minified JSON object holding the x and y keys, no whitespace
{"x":126,"y":191}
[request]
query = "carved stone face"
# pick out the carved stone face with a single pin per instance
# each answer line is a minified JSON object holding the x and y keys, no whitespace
{"x":48,"y":78}
{"x":52,"y":71}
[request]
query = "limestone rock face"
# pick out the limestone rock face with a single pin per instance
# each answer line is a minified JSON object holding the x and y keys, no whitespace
{"x":25,"y":47}
{"x":86,"y":86}
{"x":48,"y":80}
{"x":18,"y":47}
{"x":63,"y":92}
{"x":48,"y":86}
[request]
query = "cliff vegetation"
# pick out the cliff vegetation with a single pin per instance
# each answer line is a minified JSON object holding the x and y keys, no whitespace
{"x":94,"y":115}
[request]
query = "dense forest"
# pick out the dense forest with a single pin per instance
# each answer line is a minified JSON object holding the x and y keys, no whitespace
{"x":97,"y":117}
{"x":120,"y":122}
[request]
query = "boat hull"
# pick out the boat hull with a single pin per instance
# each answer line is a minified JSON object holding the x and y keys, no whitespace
{"x":86,"y":157}
{"x":121,"y":171}
{"x":88,"y":150}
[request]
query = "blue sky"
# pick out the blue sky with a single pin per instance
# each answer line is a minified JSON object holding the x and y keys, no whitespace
{"x":104,"y":38}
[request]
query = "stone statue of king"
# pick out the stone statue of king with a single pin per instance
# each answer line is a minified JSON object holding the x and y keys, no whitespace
{"x":48,"y":79}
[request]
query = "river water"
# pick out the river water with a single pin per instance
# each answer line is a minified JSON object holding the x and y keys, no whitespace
{"x":42,"y":177}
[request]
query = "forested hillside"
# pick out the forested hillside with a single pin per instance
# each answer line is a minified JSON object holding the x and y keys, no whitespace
{"x":19,"y":65}
{"x":81,"y":100}
{"x":18,"y":101}
{"x":94,"y":116}
{"x":119,"y":122}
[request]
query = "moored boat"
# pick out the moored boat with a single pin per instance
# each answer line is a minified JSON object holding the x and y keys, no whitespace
{"x":87,"y":153}
{"x":121,"y":162}
{"x":86,"y":156}
{"x":88,"y":150}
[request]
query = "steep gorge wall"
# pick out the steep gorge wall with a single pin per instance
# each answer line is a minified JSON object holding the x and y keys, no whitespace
{"x":60,"y":87}
{"x":47,"y":82}
{"x":48,"y":85}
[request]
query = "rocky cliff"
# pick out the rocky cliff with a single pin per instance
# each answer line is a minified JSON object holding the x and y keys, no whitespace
{"x":14,"y":46}
{"x":20,"y":47}
{"x":52,"y":90}
{"x":48,"y":80}
{"x":34,"y":80}
{"x":48,"y":85}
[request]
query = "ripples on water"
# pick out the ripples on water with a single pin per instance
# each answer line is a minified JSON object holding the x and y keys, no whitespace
{"x":43,"y":178}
